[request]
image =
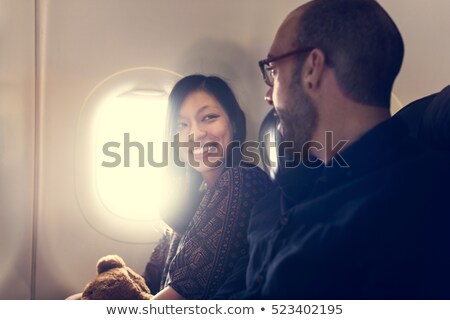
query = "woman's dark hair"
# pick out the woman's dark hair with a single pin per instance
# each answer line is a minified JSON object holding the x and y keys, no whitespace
{"x":184,"y":181}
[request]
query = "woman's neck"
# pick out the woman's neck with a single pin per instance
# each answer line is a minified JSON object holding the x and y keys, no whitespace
{"x":210,"y":177}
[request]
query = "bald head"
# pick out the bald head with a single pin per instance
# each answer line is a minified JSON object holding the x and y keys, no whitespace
{"x":360,"y":42}
{"x":286,"y":35}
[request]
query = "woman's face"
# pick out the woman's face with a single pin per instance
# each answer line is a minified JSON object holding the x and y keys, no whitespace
{"x":202,"y":121}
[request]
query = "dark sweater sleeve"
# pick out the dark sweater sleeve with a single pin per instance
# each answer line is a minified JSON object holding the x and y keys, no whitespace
{"x":155,"y":266}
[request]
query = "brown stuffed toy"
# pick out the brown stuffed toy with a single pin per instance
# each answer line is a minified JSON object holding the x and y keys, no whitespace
{"x":116,"y":281}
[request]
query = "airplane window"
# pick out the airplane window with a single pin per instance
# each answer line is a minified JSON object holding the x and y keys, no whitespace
{"x":121,"y":156}
{"x":131,"y":130}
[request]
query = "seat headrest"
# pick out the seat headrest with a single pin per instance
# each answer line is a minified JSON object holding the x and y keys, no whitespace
{"x":269,"y":139}
{"x":412,"y":114}
{"x":428,"y":119}
{"x":435,"y":129}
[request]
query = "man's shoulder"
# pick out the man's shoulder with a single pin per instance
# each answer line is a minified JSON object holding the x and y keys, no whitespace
{"x":268,"y":206}
{"x":422,"y":163}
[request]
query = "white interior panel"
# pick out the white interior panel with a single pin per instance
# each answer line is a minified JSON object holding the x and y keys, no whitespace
{"x":82,"y":44}
{"x":16,"y":147}
{"x":424,"y":26}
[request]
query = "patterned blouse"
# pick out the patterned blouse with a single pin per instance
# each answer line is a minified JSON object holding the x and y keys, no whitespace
{"x":198,"y":262}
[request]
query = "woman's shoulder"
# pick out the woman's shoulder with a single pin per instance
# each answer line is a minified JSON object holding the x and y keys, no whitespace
{"x":244,"y":177}
{"x":249,"y":176}
{"x":249,"y":170}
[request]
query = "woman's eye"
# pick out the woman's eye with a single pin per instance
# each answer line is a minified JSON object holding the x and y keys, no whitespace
{"x":181,"y":125}
{"x":210,"y":117}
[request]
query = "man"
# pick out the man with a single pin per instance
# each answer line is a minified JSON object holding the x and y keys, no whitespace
{"x":370,"y":221}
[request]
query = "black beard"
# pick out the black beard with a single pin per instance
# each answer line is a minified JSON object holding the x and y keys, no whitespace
{"x":298,"y":118}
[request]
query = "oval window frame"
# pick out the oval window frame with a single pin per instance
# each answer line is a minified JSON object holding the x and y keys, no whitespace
{"x":95,"y":213}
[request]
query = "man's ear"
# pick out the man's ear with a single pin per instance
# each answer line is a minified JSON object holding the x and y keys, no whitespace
{"x":313,"y":69}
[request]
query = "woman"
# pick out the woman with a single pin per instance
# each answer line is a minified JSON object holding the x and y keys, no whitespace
{"x":211,"y":197}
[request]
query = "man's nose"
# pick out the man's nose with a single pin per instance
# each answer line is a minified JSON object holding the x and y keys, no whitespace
{"x":268,"y":96}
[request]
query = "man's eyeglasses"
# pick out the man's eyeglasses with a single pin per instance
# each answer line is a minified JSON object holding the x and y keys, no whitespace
{"x":266,"y":69}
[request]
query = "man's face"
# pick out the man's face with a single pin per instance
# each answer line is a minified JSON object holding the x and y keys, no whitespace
{"x":297,"y":113}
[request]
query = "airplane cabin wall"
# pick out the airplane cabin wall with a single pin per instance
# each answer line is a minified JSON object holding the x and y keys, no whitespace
{"x":83,"y":43}
{"x":424,"y":26}
{"x":17,"y":146}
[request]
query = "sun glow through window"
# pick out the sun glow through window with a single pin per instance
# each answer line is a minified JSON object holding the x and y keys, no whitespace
{"x":130,"y":190}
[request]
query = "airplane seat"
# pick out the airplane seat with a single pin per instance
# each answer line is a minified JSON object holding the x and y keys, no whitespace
{"x":412,"y":114}
{"x":435,"y":127}
{"x":428,"y":119}
{"x":269,"y":138}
